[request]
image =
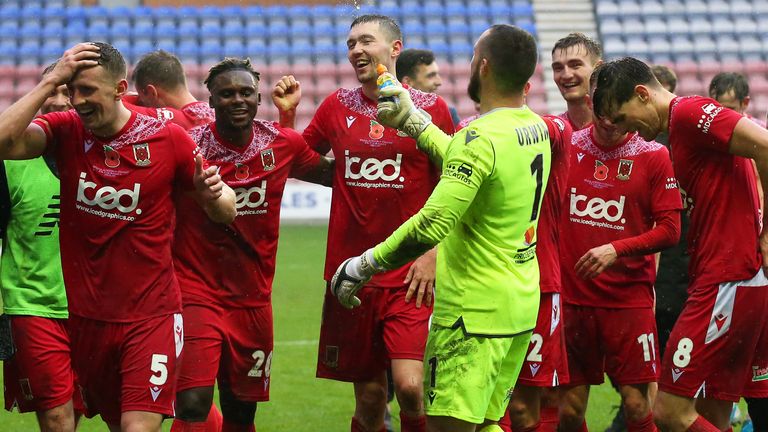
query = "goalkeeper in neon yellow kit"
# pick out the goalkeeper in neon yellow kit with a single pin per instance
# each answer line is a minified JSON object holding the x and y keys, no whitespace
{"x":483,"y":214}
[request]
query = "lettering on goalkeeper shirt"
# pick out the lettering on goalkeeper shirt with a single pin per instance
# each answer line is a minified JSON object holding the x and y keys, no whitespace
{"x":532,"y":134}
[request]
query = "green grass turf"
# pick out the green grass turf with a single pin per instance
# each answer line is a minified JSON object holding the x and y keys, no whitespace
{"x":299,"y":400}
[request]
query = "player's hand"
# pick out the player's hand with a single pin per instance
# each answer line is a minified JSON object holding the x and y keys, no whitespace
{"x":401,"y":113}
{"x":207,"y":181}
{"x":421,"y":279}
{"x":351,"y":275}
{"x":595,"y":261}
{"x":286,"y":94}
{"x":82,"y":55}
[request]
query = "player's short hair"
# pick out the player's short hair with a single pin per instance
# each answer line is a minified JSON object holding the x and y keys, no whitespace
{"x":666,"y":76}
{"x":410,"y":59}
{"x":512,"y":55}
{"x":111,"y":60}
{"x":724,"y":82}
{"x":230,"y":64}
{"x":159,"y":68}
{"x":593,"y":47}
{"x":614,"y":82}
{"x":390,"y":27}
{"x":49,"y":68}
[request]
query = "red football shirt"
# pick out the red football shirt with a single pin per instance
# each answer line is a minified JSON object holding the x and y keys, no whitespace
{"x":614,"y":194}
{"x":381,"y":179}
{"x":548,"y":233}
{"x":720,"y":190}
{"x":117,"y":214}
{"x":566,"y":118}
{"x":234,"y":265}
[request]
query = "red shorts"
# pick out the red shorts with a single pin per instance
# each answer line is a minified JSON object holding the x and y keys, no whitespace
{"x":126,"y":366}
{"x":357,"y":344}
{"x":720,"y":342}
{"x":234,"y":345}
{"x":618,"y":342}
{"x":546,"y":364}
{"x":39,"y":377}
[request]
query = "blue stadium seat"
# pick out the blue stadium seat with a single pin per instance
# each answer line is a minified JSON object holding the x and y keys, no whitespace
{"x":232,"y":34}
{"x":120,"y":34}
{"x":31,"y":14}
{"x":98,"y":32}
{"x":391,"y":11}
{"x":461,"y":52}
{"x":50,"y":33}
{"x":50,"y":53}
{"x":165,"y":33}
{"x":167,"y":46}
{"x":322,"y":14}
{"x":210,"y":33}
{"x":678,"y":25}
{"x":164,"y":16}
{"x":652,"y":10}
{"x":74,"y":33}
{"x":611,"y":27}
{"x":455,"y":13}
{"x":522,"y":9}
{"x":232,"y":16}
{"x":54,"y":15}
{"x":700,"y":25}
{"x":210,"y":53}
{"x":142,"y":33}
{"x":142,"y":15}
{"x":300,"y":15}
{"x":188,"y":33}
{"x":657,"y":26}
{"x":256,"y":48}
{"x":341,"y":30}
{"x":28,"y":54}
{"x":323,"y":33}
{"x":741,"y":8}
{"x":724,"y":26}
{"x":210,"y":16}
{"x":277,"y":32}
{"x":695,"y":8}
{"x":276,"y":14}
{"x":188,"y":53}
{"x":187,"y":15}
{"x":501,"y":13}
{"x":7,"y":54}
{"x":120,"y":15}
{"x":233,"y":50}
{"x":255,"y":31}
{"x":73,"y":13}
{"x":97,"y":15}
{"x":29,"y":33}
{"x":301,"y":53}
{"x":607,"y":9}
{"x":323,"y":51}
{"x":529,"y":27}
{"x":279,"y":53}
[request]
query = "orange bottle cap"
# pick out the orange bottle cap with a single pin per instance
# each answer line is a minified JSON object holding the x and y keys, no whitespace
{"x":380,"y":69}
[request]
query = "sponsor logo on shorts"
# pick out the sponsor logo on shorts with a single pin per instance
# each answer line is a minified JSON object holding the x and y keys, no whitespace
{"x":155,"y":391}
{"x":431,"y":395}
{"x":534,"y":369}
{"x":759,"y":373}
{"x":676,"y":373}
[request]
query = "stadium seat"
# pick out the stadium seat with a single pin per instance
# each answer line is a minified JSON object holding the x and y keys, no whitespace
{"x":322,"y":14}
{"x":276,"y":14}
{"x":74,"y":32}
{"x":232,"y":35}
{"x":187,"y":15}
{"x":142,"y":34}
{"x":209,"y":16}
{"x":98,"y":32}
{"x":300,"y":16}
{"x":53,"y":16}
{"x":164,"y":16}
{"x":231,"y":16}
{"x":188,"y":33}
{"x":210,"y":52}
{"x":188,"y":53}
{"x":210,"y":33}
{"x":253,"y":15}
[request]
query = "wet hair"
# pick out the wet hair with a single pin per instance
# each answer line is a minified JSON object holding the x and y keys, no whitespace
{"x":666,"y":76}
{"x":592,"y":47}
{"x":227,"y":65}
{"x":161,"y":69}
{"x":111,"y":60}
{"x":724,"y":82}
{"x":614,"y":82}
{"x":386,"y":23}
{"x":512,"y":55}
{"x":410,"y":59}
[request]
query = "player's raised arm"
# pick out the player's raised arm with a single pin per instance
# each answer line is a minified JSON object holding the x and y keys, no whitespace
{"x":19,"y":139}
{"x":216,"y":198}
{"x":286,"y":96}
{"x":750,"y":140}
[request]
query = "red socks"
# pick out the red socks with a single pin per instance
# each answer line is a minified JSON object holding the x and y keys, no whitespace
{"x":214,"y":420}
{"x":583,"y":427}
{"x":644,"y":425}
{"x":549,"y":419}
{"x":355,"y":426}
{"x":413,"y":424}
{"x":702,"y":425}
{"x":233,"y":427}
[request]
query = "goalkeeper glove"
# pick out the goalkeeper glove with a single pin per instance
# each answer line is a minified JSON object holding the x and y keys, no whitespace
{"x":400,"y":113}
{"x":351,"y":275}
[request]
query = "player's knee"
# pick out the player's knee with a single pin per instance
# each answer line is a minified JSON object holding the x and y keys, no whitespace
{"x":664,"y":418}
{"x":635,"y":404}
{"x":519,"y":413}
{"x":409,"y":396}
{"x":194,"y":404}
{"x":234,"y":410}
{"x":59,"y":419}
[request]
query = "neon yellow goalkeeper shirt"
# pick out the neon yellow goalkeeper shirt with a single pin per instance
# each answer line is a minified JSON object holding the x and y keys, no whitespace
{"x":483,"y":214}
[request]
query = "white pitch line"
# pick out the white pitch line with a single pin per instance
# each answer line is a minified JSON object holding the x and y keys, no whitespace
{"x":296,"y":342}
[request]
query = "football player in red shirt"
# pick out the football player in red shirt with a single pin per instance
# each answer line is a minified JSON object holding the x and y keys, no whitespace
{"x":118,"y":170}
{"x":574,"y":57}
{"x":381,"y":179}
{"x":227,"y":303}
{"x":720,"y":341}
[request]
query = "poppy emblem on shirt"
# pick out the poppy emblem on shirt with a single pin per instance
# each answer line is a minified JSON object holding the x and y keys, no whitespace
{"x":376,"y":131}
{"x":268,"y":159}
{"x":111,"y":157}
{"x":601,"y":171}
{"x":625,"y":169}
{"x":241,"y":171}
{"x":141,"y":154}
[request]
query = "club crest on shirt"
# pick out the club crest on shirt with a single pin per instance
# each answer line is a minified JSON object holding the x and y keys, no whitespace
{"x":625,"y":169}
{"x":241,"y":171}
{"x":601,"y":171}
{"x":111,"y":157}
{"x":376,"y":131}
{"x":268,"y":159}
{"x":141,"y":154}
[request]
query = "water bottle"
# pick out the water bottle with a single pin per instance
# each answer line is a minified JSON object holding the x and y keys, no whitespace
{"x":385,"y":80}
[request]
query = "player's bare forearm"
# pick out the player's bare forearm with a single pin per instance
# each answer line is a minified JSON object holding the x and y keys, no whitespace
{"x":434,"y":142}
{"x":222,"y":209}
{"x":321,"y":174}
{"x":287,"y":119}
{"x":19,"y":139}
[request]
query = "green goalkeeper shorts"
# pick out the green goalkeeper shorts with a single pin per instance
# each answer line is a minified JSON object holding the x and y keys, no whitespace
{"x":470,"y":377}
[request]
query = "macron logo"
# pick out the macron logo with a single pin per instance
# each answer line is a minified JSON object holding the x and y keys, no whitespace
{"x":155,"y":391}
{"x":676,"y":373}
{"x":579,"y":156}
{"x":534,"y":369}
{"x":350,"y":120}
